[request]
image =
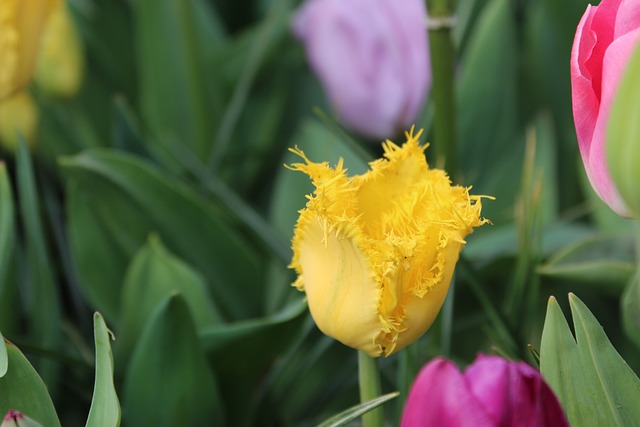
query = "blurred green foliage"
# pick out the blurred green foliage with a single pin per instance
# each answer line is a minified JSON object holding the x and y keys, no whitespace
{"x":158,"y":197}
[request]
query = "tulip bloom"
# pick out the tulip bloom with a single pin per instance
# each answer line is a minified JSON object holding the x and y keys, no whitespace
{"x":606,"y":36}
{"x":372,"y":57}
{"x":492,"y":392}
{"x":18,"y":419}
{"x":375,"y":253}
{"x":21,"y":23}
{"x":60,"y":62}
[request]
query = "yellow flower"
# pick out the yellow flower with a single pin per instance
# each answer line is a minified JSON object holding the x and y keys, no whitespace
{"x":375,"y":253}
{"x":60,"y":62}
{"x":21,"y":23}
{"x":18,"y":116}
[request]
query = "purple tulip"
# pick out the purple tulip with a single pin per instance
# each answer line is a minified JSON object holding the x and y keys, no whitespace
{"x":372,"y":58}
{"x":492,"y":392}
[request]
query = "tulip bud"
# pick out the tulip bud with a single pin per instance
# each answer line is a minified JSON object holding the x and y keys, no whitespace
{"x":375,"y":253}
{"x":21,"y":23}
{"x":492,"y":392}
{"x":18,"y":118}
{"x":18,"y":419}
{"x":372,"y":57}
{"x":60,"y":62}
{"x":623,"y":136}
{"x":604,"y":41}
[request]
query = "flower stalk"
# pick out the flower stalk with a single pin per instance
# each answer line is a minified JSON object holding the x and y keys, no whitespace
{"x":369,"y":379}
{"x":439,"y":23}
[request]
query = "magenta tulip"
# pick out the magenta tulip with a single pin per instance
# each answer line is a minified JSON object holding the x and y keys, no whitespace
{"x":372,"y":58}
{"x":492,"y":392}
{"x":606,"y":36}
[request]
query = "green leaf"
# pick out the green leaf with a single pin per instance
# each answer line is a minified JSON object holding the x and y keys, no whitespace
{"x":132,"y":199}
{"x":105,"y":408}
{"x":602,"y":261}
{"x":630,"y":305}
{"x":4,"y":357}
{"x":242,"y":352}
{"x":42,"y":295}
{"x":154,"y":275}
{"x":21,"y":389}
{"x":594,"y":384}
{"x":168,"y":381}
{"x":489,"y":79}
{"x":7,"y":248}
{"x":354,"y":412}
{"x":99,"y":260}
{"x":176,"y":100}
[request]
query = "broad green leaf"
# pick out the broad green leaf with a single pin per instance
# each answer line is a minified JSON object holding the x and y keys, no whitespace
{"x":4,"y":360}
{"x":487,"y":99}
{"x":623,"y":134}
{"x":132,"y":199}
{"x":105,"y":408}
{"x":630,"y":305}
{"x":602,"y":261}
{"x":356,"y":411}
{"x":154,"y":275}
{"x":21,"y":389}
{"x":594,"y":384}
{"x":242,"y":352}
{"x":99,"y":260}
{"x":176,"y":99}
{"x":168,"y":381}
{"x":7,"y":248}
{"x":486,"y":245}
{"x":42,"y":295}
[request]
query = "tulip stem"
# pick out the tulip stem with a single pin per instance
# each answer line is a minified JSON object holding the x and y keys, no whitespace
{"x":369,"y":378}
{"x":439,"y":23}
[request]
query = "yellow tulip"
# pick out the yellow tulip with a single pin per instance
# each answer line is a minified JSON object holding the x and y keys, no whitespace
{"x":60,"y":62}
{"x":21,"y":23}
{"x":18,"y":117}
{"x":375,"y":253}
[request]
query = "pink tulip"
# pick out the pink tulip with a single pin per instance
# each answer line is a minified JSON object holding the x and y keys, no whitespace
{"x":492,"y":392}
{"x":606,"y":36}
{"x":372,"y":58}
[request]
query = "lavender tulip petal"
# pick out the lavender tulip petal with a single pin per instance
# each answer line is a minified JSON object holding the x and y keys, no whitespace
{"x":372,"y":58}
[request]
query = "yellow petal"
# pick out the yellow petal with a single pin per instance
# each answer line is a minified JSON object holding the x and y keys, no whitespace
{"x":375,"y":253}
{"x":60,"y":62}
{"x":18,"y":117}
{"x":21,"y":23}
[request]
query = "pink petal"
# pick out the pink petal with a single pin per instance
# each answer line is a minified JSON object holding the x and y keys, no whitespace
{"x":514,"y":394}
{"x":541,"y":406}
{"x":627,"y":18}
{"x":614,"y":65}
{"x":489,"y":380}
{"x":586,"y":102}
{"x":440,"y":397}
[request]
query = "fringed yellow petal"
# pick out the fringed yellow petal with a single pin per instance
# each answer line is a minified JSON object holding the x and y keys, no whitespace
{"x":21,"y":23}
{"x":404,"y":225}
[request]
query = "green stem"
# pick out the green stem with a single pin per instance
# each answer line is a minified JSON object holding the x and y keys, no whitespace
{"x":442,"y":71}
{"x":369,"y":378}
